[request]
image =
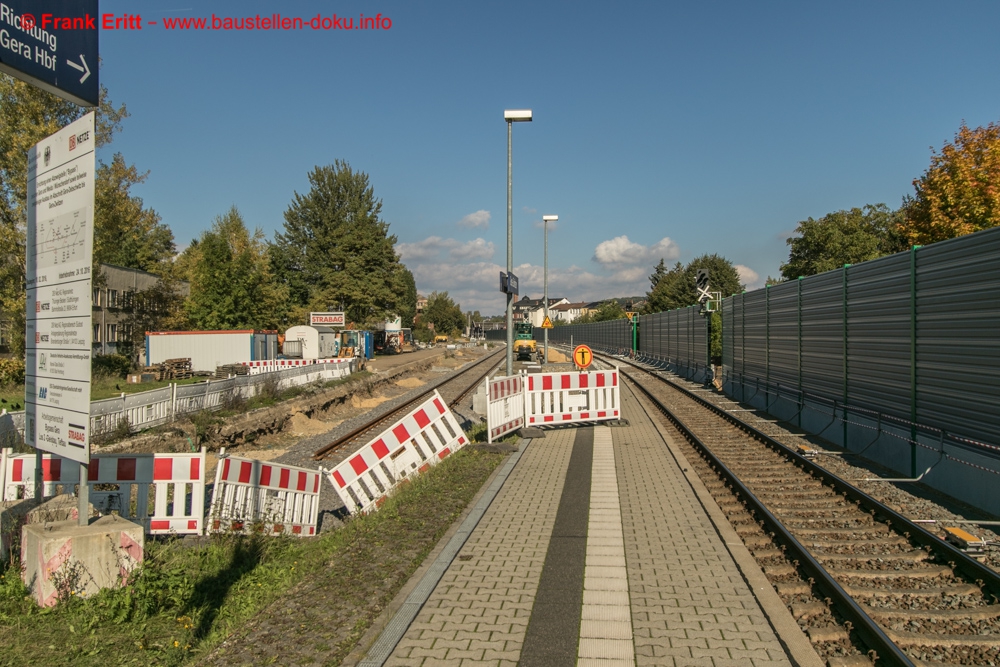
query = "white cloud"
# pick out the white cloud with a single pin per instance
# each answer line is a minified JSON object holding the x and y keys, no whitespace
{"x":431,"y":248}
{"x":477,"y":249}
{"x":749,"y":277}
{"x":619,"y":250}
{"x":480,"y":218}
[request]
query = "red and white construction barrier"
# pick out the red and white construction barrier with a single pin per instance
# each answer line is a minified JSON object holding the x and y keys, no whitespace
{"x":565,"y":398}
{"x":253,"y":495}
{"x":504,"y":405}
{"x":176,"y":483}
{"x":269,"y":365}
{"x":410,"y":446}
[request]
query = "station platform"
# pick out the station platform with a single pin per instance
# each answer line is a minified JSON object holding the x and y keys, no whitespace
{"x":599,"y":549}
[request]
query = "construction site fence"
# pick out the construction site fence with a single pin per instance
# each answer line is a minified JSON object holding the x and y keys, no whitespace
{"x":160,"y":406}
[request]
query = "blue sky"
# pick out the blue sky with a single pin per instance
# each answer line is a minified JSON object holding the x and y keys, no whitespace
{"x":661,"y":129}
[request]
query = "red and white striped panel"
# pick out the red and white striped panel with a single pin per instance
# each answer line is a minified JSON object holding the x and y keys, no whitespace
{"x":564,"y":398}
{"x":249,"y":493}
{"x":504,"y":406}
{"x":410,"y":446}
{"x":177,"y":480}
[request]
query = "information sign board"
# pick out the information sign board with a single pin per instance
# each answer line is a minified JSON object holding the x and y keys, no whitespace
{"x":52,"y":44}
{"x":59,"y":252}
{"x":335,"y":319}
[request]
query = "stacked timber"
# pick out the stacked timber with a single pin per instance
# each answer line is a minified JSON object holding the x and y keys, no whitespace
{"x":226,"y":370}
{"x":177,"y":369}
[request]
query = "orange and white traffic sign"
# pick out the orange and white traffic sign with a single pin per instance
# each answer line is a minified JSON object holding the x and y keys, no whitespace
{"x":631,"y":316}
{"x":583,"y":356}
{"x":546,"y":323}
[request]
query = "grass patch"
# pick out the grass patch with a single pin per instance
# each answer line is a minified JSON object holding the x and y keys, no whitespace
{"x":307,"y":593}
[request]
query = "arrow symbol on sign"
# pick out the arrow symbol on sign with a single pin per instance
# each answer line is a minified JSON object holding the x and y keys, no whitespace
{"x":84,"y":68}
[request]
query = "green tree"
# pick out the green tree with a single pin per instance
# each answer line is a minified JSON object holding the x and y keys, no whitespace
{"x":125,"y":232}
{"x":668,"y":289}
{"x":28,"y":115}
{"x":232,"y":286}
{"x":443,"y":313}
{"x":678,"y":288}
{"x":960,"y":191}
{"x":406,"y":287}
{"x":843,"y":237}
{"x":336,"y":250}
{"x":607,"y":311}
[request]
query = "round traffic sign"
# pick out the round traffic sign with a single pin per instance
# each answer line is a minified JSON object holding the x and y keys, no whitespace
{"x":583,"y":356}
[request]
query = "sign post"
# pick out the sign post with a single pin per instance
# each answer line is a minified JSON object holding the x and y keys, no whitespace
{"x":52,"y":44}
{"x":58,"y":334}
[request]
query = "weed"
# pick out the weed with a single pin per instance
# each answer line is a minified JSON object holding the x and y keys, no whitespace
{"x":232,"y":400}
{"x":477,"y":432}
{"x":121,"y":430}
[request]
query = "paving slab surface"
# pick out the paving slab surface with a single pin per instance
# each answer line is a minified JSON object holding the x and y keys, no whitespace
{"x":596,"y":551}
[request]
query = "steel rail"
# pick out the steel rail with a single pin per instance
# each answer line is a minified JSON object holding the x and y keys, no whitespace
{"x":369,"y":425}
{"x":869,"y":631}
{"x":964,"y":563}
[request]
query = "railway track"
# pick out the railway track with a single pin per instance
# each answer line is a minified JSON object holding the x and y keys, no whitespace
{"x":864,"y":582}
{"x":453,"y":390}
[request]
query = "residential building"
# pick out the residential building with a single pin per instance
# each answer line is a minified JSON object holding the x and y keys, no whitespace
{"x":567,"y":312}
{"x":533,"y":310}
{"x":114,"y":302}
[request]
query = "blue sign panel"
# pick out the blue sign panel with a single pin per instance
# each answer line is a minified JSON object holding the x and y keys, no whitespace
{"x":52,"y":44}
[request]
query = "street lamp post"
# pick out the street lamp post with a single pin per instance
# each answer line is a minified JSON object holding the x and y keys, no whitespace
{"x":546,"y":219}
{"x":511,"y":116}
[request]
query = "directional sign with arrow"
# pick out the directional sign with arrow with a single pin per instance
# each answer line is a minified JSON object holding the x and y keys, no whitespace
{"x":83,"y":68}
{"x":56,"y":59}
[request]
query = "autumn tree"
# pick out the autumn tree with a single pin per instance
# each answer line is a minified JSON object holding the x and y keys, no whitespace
{"x":960,"y":191}
{"x":843,"y":237}
{"x":232,"y":286}
{"x":336,"y":250}
{"x":126,"y":233}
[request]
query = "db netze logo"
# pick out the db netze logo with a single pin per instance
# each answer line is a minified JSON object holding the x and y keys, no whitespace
{"x":75,"y":139}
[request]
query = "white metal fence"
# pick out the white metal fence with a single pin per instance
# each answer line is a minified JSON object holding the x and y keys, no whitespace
{"x":159,"y":406}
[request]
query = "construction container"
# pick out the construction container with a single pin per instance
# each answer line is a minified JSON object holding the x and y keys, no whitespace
{"x":211,"y":349}
{"x":311,"y":342}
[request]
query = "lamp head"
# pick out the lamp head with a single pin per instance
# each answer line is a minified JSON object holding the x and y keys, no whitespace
{"x":517,"y":115}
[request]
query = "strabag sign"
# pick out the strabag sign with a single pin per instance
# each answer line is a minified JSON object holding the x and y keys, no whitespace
{"x":326,"y":319}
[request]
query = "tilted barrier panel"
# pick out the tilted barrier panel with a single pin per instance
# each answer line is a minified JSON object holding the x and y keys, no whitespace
{"x":505,"y":405}
{"x":251,"y":495}
{"x":164,"y":493}
{"x":565,"y":398}
{"x":410,"y":446}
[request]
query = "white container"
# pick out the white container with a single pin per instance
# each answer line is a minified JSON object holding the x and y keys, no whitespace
{"x":318,"y":342}
{"x":208,"y":349}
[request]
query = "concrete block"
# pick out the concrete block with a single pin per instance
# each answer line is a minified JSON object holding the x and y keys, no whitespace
{"x":64,"y":507}
{"x":61,"y":558}
{"x":479,"y":401}
{"x":13,"y":515}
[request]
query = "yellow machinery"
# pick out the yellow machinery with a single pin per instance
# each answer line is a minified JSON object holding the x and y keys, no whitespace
{"x":524,"y":342}
{"x":440,"y":339}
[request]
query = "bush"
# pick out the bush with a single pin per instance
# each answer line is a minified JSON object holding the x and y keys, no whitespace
{"x":11,"y":371}
{"x":110,"y":365}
